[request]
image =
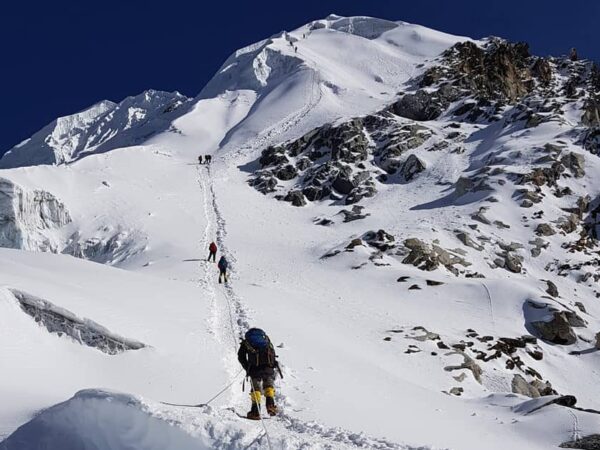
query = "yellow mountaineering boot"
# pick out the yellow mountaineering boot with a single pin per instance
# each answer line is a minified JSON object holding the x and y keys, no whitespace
{"x":271,"y":406}
{"x":254,"y":413}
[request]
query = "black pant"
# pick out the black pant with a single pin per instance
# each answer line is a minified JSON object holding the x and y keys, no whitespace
{"x":222,"y":274}
{"x":212,"y":255}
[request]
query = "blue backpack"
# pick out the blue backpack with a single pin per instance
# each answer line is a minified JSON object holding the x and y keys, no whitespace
{"x":257,"y":338}
{"x":260,"y":351}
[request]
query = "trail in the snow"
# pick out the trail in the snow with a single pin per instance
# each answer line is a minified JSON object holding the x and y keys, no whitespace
{"x":491,"y":304}
{"x":266,"y":137}
{"x":230,"y":319}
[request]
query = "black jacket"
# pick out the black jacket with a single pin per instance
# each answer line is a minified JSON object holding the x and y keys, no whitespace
{"x":256,"y":362}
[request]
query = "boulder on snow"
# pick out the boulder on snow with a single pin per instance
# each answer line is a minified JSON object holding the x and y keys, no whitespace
{"x":465,"y":238}
{"x":544,"y":229}
{"x":429,"y":257}
{"x":551,"y":288}
{"x":420,"y":106}
{"x":520,"y":386}
{"x":380,"y":239}
{"x":286,"y":172}
{"x":533,"y":389}
{"x":557,"y":330}
{"x":296,"y":198}
{"x":411,"y":167}
{"x":575,"y":162}
{"x":513,"y":262}
{"x":468,"y":363}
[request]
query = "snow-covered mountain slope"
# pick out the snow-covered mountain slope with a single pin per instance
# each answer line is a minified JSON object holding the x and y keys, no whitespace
{"x":409,"y":215}
{"x":100,"y":128}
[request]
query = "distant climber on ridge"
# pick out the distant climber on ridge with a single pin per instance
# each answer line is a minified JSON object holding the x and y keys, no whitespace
{"x":257,"y":357}
{"x":208,"y":159}
{"x":200,"y":159}
{"x":212,"y":252}
{"x":223,"y":264}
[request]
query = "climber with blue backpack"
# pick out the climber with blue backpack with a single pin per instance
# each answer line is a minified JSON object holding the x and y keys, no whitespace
{"x":257,"y":357}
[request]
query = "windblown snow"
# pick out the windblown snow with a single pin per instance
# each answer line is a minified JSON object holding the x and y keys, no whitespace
{"x":409,"y":215}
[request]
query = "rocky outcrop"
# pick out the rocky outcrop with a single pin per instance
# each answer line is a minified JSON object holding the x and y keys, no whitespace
{"x":411,"y":167}
{"x":575,"y":162}
{"x":496,"y":71}
{"x":544,"y":229}
{"x":430,"y":257}
{"x":557,"y":328}
{"x":468,"y":364}
{"x":343,"y":162}
{"x":381,"y":240}
{"x":466,"y":239}
{"x":28,"y":218}
{"x":591,"y":442}
{"x":423,"y":105}
{"x":533,"y":389}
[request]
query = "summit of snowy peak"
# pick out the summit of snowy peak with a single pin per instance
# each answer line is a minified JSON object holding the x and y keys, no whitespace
{"x":104,"y":126}
{"x":325,"y":70}
{"x":313,"y":44}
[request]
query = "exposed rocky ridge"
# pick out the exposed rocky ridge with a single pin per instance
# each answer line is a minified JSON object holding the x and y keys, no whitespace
{"x":343,"y":162}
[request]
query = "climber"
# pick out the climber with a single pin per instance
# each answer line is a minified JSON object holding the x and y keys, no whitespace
{"x":222,"y":269}
{"x":200,"y":159}
{"x":212,"y":252}
{"x":208,"y":159}
{"x":257,"y":357}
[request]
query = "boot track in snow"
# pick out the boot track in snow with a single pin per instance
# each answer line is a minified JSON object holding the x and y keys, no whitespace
{"x":229,"y":320}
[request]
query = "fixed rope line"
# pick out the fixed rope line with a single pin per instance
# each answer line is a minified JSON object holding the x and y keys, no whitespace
{"x":220,"y":239}
{"x":217,"y":395}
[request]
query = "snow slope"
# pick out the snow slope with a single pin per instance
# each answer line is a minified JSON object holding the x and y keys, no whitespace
{"x":359,"y":370}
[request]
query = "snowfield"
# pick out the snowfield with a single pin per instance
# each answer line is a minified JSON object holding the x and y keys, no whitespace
{"x":112,"y":320}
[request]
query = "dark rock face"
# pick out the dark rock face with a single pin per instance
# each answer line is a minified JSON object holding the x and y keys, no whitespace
{"x":591,"y":442}
{"x":558,"y":330}
{"x":542,"y":71}
{"x":544,"y":229}
{"x":380,"y":240}
{"x":286,"y":172}
{"x":575,"y":163}
{"x":343,"y":162}
{"x":430,"y":257}
{"x":354,"y":214}
{"x":499,"y":70}
{"x":422,"y":106}
{"x":296,"y":198}
{"x":591,"y":113}
{"x":411,"y":167}
{"x":551,"y":288}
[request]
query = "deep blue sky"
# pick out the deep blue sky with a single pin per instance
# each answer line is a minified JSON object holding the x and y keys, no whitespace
{"x":57,"y":57}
